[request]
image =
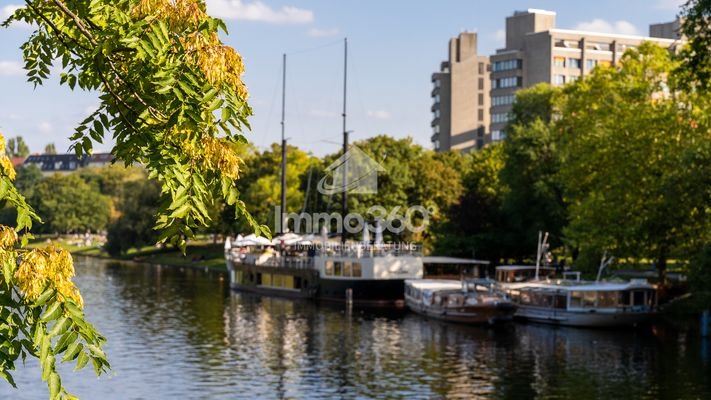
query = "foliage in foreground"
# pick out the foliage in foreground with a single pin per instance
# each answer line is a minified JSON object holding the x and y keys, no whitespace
{"x":172,"y":97}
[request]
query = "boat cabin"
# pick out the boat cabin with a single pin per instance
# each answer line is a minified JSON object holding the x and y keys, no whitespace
{"x":607,"y":296}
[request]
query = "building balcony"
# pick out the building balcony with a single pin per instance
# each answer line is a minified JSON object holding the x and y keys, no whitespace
{"x":435,"y":106}
{"x":435,"y":122}
{"x":435,"y":92}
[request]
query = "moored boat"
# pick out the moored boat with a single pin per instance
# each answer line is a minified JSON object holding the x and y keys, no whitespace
{"x":471,"y":302}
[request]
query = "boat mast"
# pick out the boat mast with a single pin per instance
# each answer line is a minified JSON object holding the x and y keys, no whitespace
{"x":283,"y":147}
{"x":541,"y":245}
{"x":344,"y":204}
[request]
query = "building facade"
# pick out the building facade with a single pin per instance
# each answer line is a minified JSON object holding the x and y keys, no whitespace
{"x":460,"y":97}
{"x":536,"y":51}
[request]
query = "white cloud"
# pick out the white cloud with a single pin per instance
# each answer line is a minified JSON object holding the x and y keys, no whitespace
{"x":323,"y":114}
{"x":600,"y":25}
{"x":316,"y":32}
{"x":378,"y":114}
{"x":672,"y":5}
{"x":258,"y":11}
{"x":7,"y":11}
{"x":500,"y":38}
{"x":10,"y":68}
{"x":44,"y":127}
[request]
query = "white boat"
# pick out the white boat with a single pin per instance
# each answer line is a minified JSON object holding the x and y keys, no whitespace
{"x":566,"y":300}
{"x":579,"y":303}
{"x":472,"y":302}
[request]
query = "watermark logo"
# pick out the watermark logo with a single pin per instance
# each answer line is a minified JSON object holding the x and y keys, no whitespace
{"x":353,"y":172}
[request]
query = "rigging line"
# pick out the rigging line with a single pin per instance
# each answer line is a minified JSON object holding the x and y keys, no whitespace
{"x":265,"y":136}
{"x":315,"y":48}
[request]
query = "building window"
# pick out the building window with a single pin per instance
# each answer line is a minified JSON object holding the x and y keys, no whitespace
{"x":497,"y":135}
{"x":498,"y":118}
{"x":558,"y":79}
{"x":480,"y":115}
{"x":481,"y":99}
{"x":435,"y":129}
{"x":436,"y":98}
{"x":503,"y":100}
{"x":573,"y":78}
{"x":510,"y":81}
{"x":481,"y":68}
{"x":574,"y":63}
{"x":590,"y":64}
{"x":559,"y":62}
{"x":506,"y":65}
{"x":481,"y":83}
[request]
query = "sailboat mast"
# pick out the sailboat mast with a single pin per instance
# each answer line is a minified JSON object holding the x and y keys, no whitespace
{"x":283,"y":147}
{"x":344,"y":205}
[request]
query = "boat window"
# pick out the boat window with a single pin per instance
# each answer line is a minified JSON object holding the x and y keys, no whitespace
{"x":589,"y":299}
{"x":536,"y":298}
{"x":576,"y":299}
{"x":607,"y":299}
{"x":638,"y":297}
{"x":525,"y":297}
{"x":561,"y":301}
{"x":277,"y":280}
{"x":338,"y":268}
{"x":625,"y":298}
{"x":650,"y":298}
{"x":357,"y":270}
{"x":267,"y":279}
{"x":347,"y":268}
{"x":454,"y":300}
{"x":329,"y":268}
{"x":259,"y":278}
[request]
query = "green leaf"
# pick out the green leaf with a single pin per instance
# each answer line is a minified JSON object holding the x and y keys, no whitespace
{"x":52,"y":312}
{"x":6,"y":375}
{"x":72,"y":351}
{"x":81,"y":361}
{"x":54,"y":385}
{"x":44,"y":297}
{"x":60,"y":326}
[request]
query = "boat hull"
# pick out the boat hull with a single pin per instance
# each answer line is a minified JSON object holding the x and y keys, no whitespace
{"x":483,"y":314}
{"x":592,"y":319}
{"x":307,"y":284}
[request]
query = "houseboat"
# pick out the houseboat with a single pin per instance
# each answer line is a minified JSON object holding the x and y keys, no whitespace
{"x":354,"y":273}
{"x":573,"y":302}
{"x":471,"y":302}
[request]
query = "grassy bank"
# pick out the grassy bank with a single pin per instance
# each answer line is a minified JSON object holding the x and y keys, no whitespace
{"x":199,"y":253}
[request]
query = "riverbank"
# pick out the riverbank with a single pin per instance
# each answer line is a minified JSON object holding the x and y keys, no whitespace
{"x":199,"y":254}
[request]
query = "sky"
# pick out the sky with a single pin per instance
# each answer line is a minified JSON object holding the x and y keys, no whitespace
{"x":393,"y":48}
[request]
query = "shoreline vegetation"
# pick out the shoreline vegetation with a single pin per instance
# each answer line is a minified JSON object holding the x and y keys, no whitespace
{"x":200,"y":253}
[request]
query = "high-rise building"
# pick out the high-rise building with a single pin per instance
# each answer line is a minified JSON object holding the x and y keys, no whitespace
{"x":460,"y":97}
{"x":538,"y":52}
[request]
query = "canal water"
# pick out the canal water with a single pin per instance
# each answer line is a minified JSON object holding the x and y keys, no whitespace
{"x":182,"y":334}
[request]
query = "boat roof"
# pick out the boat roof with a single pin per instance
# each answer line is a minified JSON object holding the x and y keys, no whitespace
{"x":434,"y":284}
{"x":520,"y":267}
{"x":452,"y":260}
{"x":587,"y":286}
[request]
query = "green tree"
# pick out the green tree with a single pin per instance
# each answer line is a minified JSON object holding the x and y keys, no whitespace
{"x":475,"y":226}
{"x":69,"y":204}
{"x":133,"y":228}
{"x":50,"y":149}
{"x":16,"y":147}
{"x":172,"y":97}
{"x":534,"y":201}
{"x":632,"y":148}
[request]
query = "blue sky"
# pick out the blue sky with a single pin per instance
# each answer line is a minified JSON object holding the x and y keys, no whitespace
{"x":394,"y":46}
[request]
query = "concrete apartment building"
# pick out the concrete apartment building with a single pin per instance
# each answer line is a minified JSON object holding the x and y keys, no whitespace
{"x":536,"y":51}
{"x":460,"y":97}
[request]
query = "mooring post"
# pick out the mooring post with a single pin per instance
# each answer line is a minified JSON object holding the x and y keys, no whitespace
{"x":705,"y":323}
{"x":349,"y":296}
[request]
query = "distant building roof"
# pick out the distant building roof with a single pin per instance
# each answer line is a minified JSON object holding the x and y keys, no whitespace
{"x":66,"y":162}
{"x":17,"y":161}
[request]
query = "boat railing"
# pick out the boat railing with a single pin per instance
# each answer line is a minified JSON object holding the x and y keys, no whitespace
{"x":274,"y":260}
{"x":370,"y":251}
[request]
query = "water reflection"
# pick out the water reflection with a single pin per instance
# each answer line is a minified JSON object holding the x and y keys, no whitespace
{"x":181,"y":333}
